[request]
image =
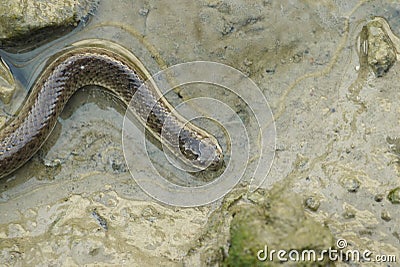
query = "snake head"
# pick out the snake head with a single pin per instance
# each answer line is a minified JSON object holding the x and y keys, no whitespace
{"x":203,"y":153}
{"x":210,"y":154}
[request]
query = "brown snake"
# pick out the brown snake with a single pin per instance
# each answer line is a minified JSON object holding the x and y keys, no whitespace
{"x":110,"y":66}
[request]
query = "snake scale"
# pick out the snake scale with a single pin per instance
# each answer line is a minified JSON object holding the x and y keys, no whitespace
{"x":114,"y":68}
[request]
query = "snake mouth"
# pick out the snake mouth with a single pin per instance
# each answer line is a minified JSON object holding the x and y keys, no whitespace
{"x":217,"y":162}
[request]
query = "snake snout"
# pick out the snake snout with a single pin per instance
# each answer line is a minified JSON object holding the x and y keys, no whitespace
{"x":210,"y":154}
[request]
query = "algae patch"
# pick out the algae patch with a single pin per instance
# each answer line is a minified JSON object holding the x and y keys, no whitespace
{"x":276,"y":224}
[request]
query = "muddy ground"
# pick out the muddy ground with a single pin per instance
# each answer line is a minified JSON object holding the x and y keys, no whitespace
{"x":336,"y":162}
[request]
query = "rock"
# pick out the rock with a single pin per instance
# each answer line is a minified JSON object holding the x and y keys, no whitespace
{"x":382,"y":46}
{"x":394,"y":196}
{"x":312,"y":203}
{"x":278,"y":225}
{"x":385,"y":215}
{"x":350,"y":183}
{"x":7,"y":83}
{"x":26,"y":24}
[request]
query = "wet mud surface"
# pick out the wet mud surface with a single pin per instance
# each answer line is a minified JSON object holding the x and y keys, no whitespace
{"x":336,"y":168}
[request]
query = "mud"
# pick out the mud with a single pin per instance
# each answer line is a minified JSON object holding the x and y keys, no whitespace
{"x":335,"y":174}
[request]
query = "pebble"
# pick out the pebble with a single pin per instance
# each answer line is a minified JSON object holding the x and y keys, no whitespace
{"x":351,"y":184}
{"x":394,"y":196}
{"x":312,"y":203}
{"x":385,"y":216}
{"x":143,"y":12}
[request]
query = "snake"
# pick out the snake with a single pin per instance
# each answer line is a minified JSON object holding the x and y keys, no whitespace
{"x":114,"y":68}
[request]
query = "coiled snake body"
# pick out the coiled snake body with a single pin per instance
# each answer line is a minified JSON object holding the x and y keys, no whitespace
{"x":114,"y":68}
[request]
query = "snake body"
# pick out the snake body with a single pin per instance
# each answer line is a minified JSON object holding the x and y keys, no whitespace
{"x":114,"y":68}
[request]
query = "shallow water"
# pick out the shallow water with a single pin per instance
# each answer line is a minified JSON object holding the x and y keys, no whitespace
{"x":303,"y":58}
